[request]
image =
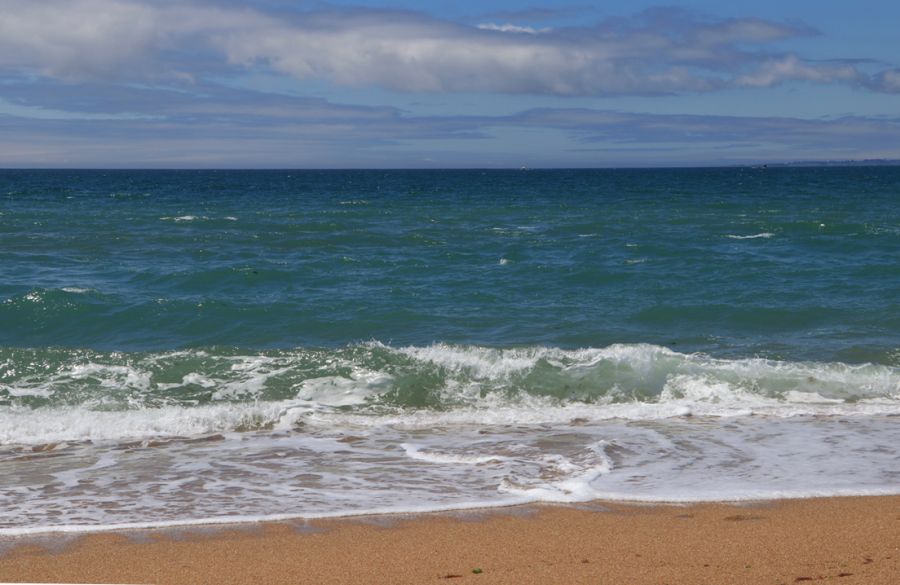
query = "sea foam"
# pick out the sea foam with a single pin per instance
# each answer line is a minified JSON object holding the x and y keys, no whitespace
{"x":212,"y":436}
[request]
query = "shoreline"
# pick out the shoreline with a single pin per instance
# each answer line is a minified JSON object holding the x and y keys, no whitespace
{"x":485,"y":508}
{"x":849,"y":539}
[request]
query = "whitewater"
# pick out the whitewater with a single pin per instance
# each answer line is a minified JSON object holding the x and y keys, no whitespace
{"x":312,"y":433}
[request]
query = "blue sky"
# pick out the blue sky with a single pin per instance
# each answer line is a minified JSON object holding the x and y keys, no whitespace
{"x":404,"y":84}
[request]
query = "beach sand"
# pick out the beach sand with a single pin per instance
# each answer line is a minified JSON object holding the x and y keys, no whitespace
{"x":836,"y":540}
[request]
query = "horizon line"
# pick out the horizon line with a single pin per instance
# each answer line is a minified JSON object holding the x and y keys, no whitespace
{"x":524,"y":168}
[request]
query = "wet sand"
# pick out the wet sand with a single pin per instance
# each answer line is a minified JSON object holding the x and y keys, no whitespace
{"x":834,"y":540}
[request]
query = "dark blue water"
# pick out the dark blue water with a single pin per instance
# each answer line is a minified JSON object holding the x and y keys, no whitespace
{"x":783,"y":263}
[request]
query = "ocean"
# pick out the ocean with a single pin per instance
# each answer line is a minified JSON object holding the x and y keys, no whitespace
{"x":200,"y":347}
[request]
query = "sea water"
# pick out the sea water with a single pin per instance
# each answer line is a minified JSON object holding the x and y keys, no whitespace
{"x":182,"y":347}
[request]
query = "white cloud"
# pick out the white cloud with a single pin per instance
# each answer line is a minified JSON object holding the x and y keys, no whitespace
{"x":512,"y":28}
{"x":84,"y":37}
{"x":96,"y":39}
{"x":412,"y":52}
{"x":655,"y":53}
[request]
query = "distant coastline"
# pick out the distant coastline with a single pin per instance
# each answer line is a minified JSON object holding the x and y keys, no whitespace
{"x":869,"y":162}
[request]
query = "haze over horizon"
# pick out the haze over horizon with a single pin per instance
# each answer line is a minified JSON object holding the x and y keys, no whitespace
{"x":489,"y":84}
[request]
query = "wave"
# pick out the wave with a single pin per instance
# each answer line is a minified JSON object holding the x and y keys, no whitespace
{"x":54,"y":395}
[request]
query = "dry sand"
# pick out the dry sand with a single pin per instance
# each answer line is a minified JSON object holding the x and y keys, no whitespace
{"x":837,"y":540}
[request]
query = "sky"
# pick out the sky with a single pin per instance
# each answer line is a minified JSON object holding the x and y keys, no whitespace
{"x":462,"y":84}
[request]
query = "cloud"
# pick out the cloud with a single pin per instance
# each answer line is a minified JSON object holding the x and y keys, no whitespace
{"x":58,"y":124}
{"x":886,"y":81}
{"x":415,"y":53}
{"x":89,"y":38}
{"x":660,"y":51}
{"x":512,"y":28}
{"x":80,"y":40}
{"x":791,"y":68}
{"x":850,"y":133}
{"x":210,"y":110}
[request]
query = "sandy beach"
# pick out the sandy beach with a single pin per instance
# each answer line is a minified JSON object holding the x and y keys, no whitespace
{"x":842,"y":540}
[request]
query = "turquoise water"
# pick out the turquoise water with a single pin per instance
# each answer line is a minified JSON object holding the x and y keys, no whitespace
{"x":144,"y":311}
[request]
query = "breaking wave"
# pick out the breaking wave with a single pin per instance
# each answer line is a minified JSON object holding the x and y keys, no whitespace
{"x":53,"y":395}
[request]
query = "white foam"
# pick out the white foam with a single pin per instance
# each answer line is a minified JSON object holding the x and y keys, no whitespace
{"x":111,"y":376}
{"x":184,"y":218}
{"x":344,"y":470}
{"x":16,"y":391}
{"x":198,"y":379}
{"x":69,"y":478}
{"x":488,"y":363}
{"x":538,"y":411}
{"x":24,"y":426}
{"x":33,"y":296}
{"x":255,"y":518}
{"x":751,"y":237}
{"x":573,"y":479}
{"x":344,"y":391}
{"x":432,"y":456}
{"x":795,"y":397}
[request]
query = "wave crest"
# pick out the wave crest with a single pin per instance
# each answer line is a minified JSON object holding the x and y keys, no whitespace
{"x":58,"y":394}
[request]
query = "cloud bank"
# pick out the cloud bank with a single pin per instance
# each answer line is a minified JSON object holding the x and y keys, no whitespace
{"x":235,"y":128}
{"x":661,"y":51}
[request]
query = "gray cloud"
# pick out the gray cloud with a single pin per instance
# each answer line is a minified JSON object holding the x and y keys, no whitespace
{"x":223,"y":127}
{"x":853,"y":133}
{"x":886,"y":81}
{"x":151,"y":115}
{"x":657,"y":52}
